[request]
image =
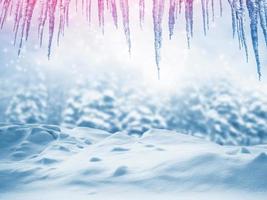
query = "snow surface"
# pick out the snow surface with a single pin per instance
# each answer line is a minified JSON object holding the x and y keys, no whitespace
{"x":50,"y":162}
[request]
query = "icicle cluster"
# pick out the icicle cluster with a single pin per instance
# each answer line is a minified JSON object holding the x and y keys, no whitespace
{"x":50,"y":11}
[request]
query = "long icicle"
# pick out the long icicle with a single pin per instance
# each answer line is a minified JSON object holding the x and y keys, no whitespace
{"x":141,"y":12}
{"x":158,"y":8}
{"x":52,"y":10}
{"x":253,"y":15}
{"x":172,"y":11}
{"x":125,"y":18}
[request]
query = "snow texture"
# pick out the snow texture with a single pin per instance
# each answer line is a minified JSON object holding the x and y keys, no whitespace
{"x":51,"y":162}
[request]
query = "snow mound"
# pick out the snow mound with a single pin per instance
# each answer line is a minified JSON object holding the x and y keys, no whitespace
{"x":18,"y":142}
{"x":83,"y":163}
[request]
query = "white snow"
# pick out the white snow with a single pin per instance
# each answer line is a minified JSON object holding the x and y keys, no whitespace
{"x":40,"y":162}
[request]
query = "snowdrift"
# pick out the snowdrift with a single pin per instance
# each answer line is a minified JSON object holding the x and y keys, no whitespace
{"x":50,"y":162}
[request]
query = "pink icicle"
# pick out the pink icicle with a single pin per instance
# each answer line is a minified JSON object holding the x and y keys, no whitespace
{"x":101,"y":14}
{"x":51,"y":10}
{"x":125,"y":18}
{"x":141,"y":12}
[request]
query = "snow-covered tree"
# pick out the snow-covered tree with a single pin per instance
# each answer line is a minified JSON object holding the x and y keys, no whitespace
{"x":112,"y":105}
{"x":29,"y":103}
{"x":186,"y":111}
{"x":140,"y":111}
{"x":220,"y":111}
{"x":93,"y":104}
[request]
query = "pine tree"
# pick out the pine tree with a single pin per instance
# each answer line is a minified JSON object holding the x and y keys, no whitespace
{"x":140,"y":111}
{"x":221,"y":111}
{"x":93,"y":104}
{"x":29,"y":103}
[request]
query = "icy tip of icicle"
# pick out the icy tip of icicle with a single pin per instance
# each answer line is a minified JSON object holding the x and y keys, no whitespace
{"x":170,"y":36}
{"x":158,"y":73}
{"x":129,"y":47}
{"x":259,"y":76}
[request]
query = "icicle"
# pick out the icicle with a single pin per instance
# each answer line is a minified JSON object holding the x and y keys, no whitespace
{"x":101,"y":14}
{"x":29,"y":14}
{"x":237,"y":10}
{"x":114,"y":12}
{"x":61,"y":19}
{"x":221,"y":8}
{"x":42,"y":20}
{"x":212,"y":8}
{"x":207,"y":15}
{"x":5,"y":8}
{"x":82,"y":6}
{"x":11,"y":7}
{"x":191,"y":8}
{"x":233,"y":11}
{"x":158,"y":8}
{"x":180,"y":6}
{"x":18,"y":17}
{"x":141,"y":12}
{"x":51,"y":9}
{"x":204,"y":15}
{"x":125,"y":18}
{"x":242,"y":35}
{"x":189,"y":20}
{"x":171,"y":17}
{"x":67,"y":12}
{"x":23,"y":26}
{"x":17,"y":12}
{"x":253,"y":15}
{"x":88,"y":10}
{"x":263,"y":20}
